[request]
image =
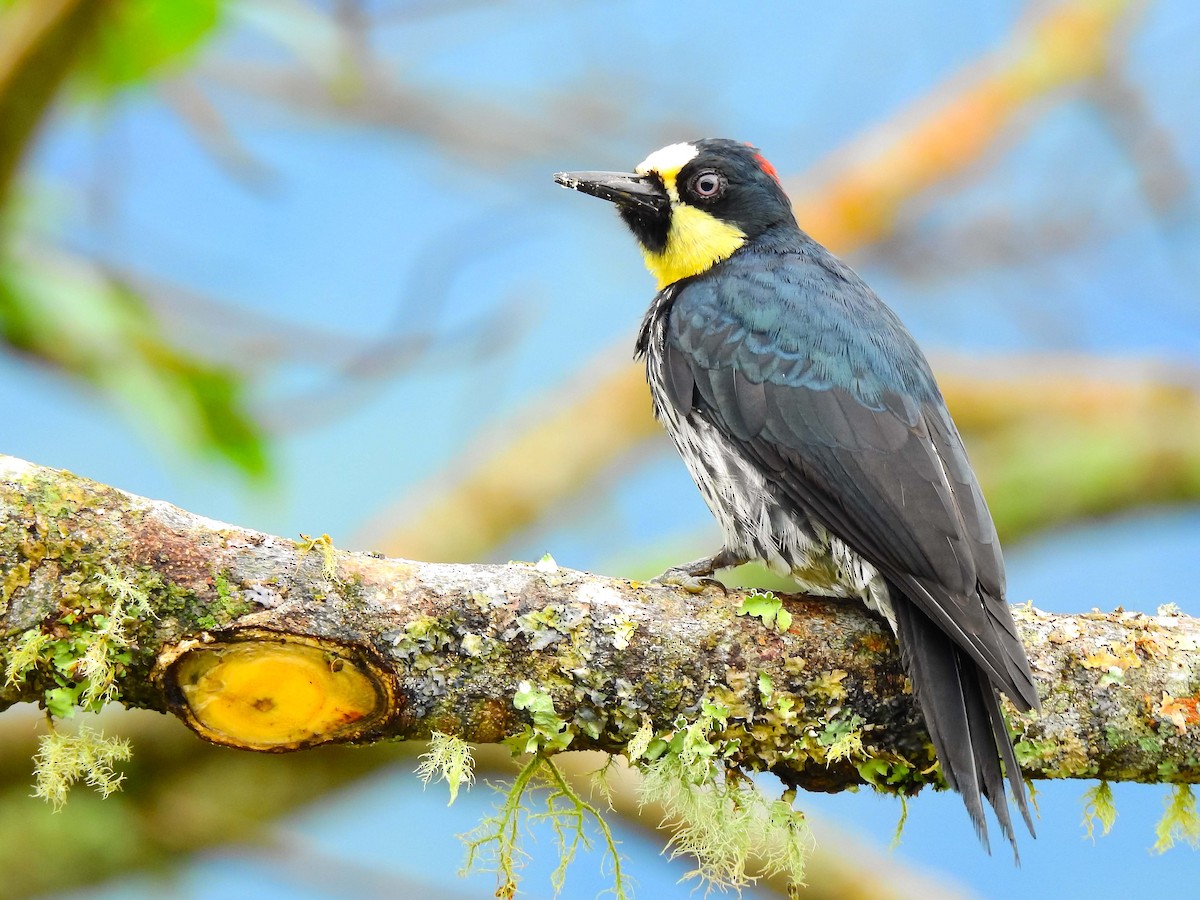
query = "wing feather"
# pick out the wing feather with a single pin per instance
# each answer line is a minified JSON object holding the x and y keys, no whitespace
{"x":850,"y":425}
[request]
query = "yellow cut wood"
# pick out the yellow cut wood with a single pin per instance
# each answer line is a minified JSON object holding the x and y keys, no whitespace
{"x":275,"y":694}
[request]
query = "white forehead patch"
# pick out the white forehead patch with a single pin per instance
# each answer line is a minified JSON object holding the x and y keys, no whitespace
{"x":668,"y":161}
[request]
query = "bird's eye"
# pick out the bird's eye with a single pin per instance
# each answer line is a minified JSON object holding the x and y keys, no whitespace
{"x":707,"y":184}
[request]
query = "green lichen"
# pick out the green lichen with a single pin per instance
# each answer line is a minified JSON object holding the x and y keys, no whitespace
{"x":1099,"y":809}
{"x":307,"y":544}
{"x":1166,"y":771}
{"x":424,"y":640}
{"x":1072,"y":759}
{"x":622,"y":630}
{"x":479,"y":645}
{"x":842,"y":739}
{"x":227,"y":607}
{"x":830,"y":685}
{"x":889,"y":775}
{"x":64,"y":759}
{"x":424,"y":645}
{"x":766,"y":687}
{"x":31,"y":648}
{"x":448,"y":759}
{"x":613,"y":707}
{"x":766,"y":606}
{"x":1150,"y":744}
{"x":640,"y":742}
{"x":719,"y":816}
{"x":485,"y":602}
{"x":1063,"y":758}
{"x":15,"y":578}
{"x":1179,"y":821}
{"x":80,"y":654}
{"x":548,"y":625}
{"x":77,"y":658}
{"x":1034,"y":753}
{"x":221,"y":583}
{"x":547,"y":732}
{"x":494,"y":845}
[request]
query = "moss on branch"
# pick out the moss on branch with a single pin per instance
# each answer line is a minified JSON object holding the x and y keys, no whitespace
{"x":447,"y":648}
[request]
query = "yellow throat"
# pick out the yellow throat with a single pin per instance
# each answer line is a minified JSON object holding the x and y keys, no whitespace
{"x":696,"y":241}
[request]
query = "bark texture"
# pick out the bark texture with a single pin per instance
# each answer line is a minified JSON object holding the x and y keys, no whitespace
{"x":268,"y":643}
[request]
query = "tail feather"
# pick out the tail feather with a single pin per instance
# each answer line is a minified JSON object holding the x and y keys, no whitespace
{"x":962,"y":713}
{"x":981,"y":729}
{"x":1004,"y":742}
{"x":1004,"y":631}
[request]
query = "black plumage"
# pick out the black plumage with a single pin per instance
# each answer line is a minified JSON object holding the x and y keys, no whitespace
{"x":814,"y":428}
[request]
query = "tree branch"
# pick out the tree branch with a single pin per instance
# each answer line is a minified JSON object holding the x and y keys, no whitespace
{"x":266,"y":643}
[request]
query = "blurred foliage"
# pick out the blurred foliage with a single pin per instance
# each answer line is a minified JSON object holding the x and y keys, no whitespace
{"x":1064,"y":440}
{"x":66,"y":312}
{"x":38,"y":45}
{"x":141,"y":38}
{"x":136,"y":39}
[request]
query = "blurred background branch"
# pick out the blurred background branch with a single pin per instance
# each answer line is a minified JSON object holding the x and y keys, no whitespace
{"x":1052,"y":439}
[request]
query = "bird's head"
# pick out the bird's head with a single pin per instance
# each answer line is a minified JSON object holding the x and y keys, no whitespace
{"x":692,"y":205}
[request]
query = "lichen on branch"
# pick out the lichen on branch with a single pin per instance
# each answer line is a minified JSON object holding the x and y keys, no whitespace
{"x":817,"y":695}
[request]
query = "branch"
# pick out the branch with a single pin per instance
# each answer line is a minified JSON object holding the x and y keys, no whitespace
{"x":265,"y":643}
{"x":39,"y":43}
{"x":855,"y":196}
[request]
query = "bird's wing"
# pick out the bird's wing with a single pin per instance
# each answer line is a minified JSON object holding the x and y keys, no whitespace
{"x":821,"y":386}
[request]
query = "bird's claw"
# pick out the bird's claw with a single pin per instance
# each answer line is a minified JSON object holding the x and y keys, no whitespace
{"x":693,"y":584}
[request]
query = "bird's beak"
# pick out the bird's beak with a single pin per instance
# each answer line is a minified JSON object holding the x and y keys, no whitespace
{"x":623,"y":188}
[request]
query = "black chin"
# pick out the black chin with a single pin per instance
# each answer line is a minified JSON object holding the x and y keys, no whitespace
{"x":641,"y":200}
{"x":650,"y":227}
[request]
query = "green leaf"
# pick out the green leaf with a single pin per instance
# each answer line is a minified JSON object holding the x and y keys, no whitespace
{"x":141,"y":38}
{"x":61,"y":311}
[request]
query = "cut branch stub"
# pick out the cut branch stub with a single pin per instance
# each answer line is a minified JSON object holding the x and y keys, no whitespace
{"x":260,"y":690}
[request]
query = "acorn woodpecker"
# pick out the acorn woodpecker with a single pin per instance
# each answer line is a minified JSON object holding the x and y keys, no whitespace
{"x":812,"y":425}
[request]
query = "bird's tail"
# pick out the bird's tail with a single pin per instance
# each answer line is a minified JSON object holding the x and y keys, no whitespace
{"x":962,"y":713}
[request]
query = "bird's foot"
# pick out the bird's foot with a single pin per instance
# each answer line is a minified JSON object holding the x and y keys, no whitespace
{"x":695,"y":576}
{"x":679,"y":576}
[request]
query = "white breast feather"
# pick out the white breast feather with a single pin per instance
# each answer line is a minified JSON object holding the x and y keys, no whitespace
{"x":752,"y":520}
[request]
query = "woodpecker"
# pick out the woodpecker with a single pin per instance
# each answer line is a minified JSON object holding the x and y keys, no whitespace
{"x":813,"y":427}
